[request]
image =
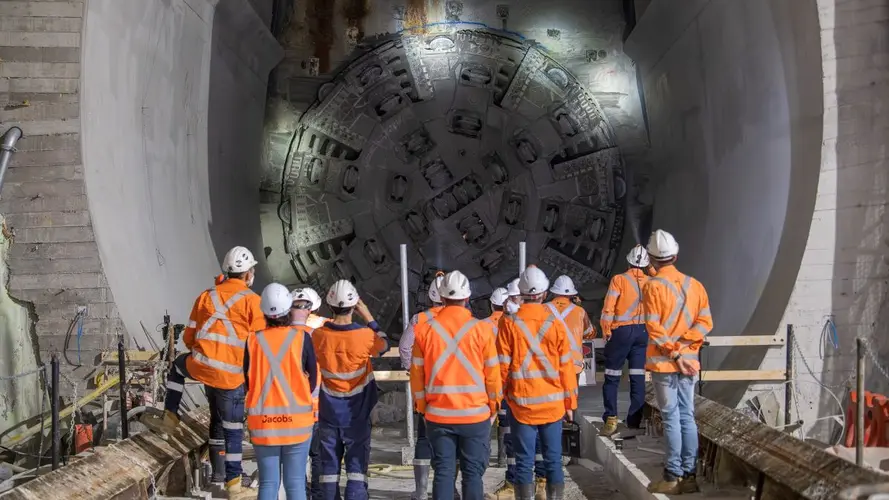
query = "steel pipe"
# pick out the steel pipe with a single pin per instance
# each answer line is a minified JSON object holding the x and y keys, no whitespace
{"x":54,"y":408}
{"x":122,"y":367}
{"x":7,"y":148}
{"x":859,"y":406}
{"x":405,"y":322}
{"x":522,"y":257}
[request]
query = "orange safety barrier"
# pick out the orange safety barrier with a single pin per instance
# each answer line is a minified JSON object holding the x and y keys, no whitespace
{"x":876,"y":419}
{"x":83,"y":437}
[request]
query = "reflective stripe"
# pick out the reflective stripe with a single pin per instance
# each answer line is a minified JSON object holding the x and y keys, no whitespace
{"x":270,"y":433}
{"x":356,"y":390}
{"x":428,"y":314}
{"x":613,"y":373}
{"x":566,"y":358}
{"x":704,"y":312}
{"x":493,"y":361}
{"x":561,"y":317}
{"x":420,"y":395}
{"x":192,"y":324}
{"x":510,"y":461}
{"x":356,"y":476}
{"x":505,"y":359}
{"x":680,"y":295}
{"x":549,"y":398}
{"x":219,"y":365}
{"x":232,"y":426}
{"x":635,"y":371}
{"x":607,"y":317}
{"x":501,"y":412}
{"x":276,"y":376}
{"x":174,"y":386}
{"x":330,"y":478}
{"x":653,"y":317}
{"x":233,"y":457}
{"x":494,"y":395}
{"x":453,"y":350}
{"x":422,"y":461}
{"x":216,"y":442}
{"x":417,"y":361}
{"x":535,"y":350}
{"x":628,"y":314}
{"x":613,"y":293}
{"x":179,"y":370}
{"x":464,"y":412}
{"x":453,"y":389}
{"x":493,"y":325}
{"x":219,"y":315}
{"x":344,"y":376}
{"x":703,"y":330}
{"x":505,"y":430}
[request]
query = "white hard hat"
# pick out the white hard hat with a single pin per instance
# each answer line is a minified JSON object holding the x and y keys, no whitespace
{"x":638,"y":257}
{"x":513,"y":288}
{"x":498,"y":296}
{"x":563,"y":286}
{"x":662,"y":245}
{"x":342,"y":294}
{"x":434,"y":293}
{"x":307,"y":294}
{"x":454,"y":286}
{"x":238,"y":260}
{"x":275,"y":301}
{"x":533,"y":281}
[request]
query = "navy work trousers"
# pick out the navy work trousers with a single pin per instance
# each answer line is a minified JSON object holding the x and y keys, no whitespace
{"x":627,"y":343}
{"x":337,"y":444}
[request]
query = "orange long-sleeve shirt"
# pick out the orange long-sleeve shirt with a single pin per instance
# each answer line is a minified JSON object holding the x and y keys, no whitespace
{"x":623,"y":302}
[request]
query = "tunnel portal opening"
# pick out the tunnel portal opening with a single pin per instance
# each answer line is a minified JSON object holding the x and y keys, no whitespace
{"x":459,"y":143}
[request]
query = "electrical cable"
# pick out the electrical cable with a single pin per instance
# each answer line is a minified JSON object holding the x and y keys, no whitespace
{"x":68,"y":339}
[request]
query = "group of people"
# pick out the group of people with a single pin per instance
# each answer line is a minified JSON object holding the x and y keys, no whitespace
{"x":305,"y":383}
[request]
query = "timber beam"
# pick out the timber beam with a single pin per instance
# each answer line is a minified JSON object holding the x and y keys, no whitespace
{"x":136,"y":468}
{"x":793,"y":466}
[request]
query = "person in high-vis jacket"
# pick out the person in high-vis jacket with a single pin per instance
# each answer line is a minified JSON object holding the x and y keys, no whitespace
{"x":457,"y":388}
{"x":280,"y":373}
{"x":422,"y":449}
{"x":216,"y":334}
{"x":623,"y":327}
{"x":573,"y":317}
{"x":541,"y":386}
{"x":305,"y":302}
{"x":513,"y":299}
{"x":348,"y":391}
{"x":498,"y":297}
{"x":677,"y":319}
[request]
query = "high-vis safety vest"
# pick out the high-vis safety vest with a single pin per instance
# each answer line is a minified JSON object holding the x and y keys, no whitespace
{"x":279,"y":400}
{"x":494,"y":320}
{"x":455,"y":376}
{"x":216,"y":334}
{"x":677,"y":319}
{"x":428,"y":314}
{"x":577,"y":324}
{"x":536,"y":364}
{"x":623,"y":302}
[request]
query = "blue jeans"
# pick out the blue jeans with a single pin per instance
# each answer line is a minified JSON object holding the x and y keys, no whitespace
{"x":524,"y":443}
{"x":504,"y":422}
{"x":271,"y":460}
{"x":471,"y":444}
{"x":628,"y":343}
{"x":676,"y":397}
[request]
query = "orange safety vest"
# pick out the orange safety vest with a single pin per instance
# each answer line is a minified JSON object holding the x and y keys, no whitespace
{"x":279,"y":401}
{"x":494,"y":320}
{"x":623,"y":302}
{"x":427,"y":315}
{"x":537,"y":365}
{"x":344,"y":359}
{"x":216,"y":334}
{"x":577,"y":324}
{"x":454,"y":373}
{"x":677,"y":319}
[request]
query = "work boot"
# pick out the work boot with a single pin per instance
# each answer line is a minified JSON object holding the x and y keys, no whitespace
{"x":540,"y":488}
{"x":501,"y":450}
{"x":236,"y":491}
{"x":668,"y":485}
{"x":555,"y":491}
{"x":217,"y":463}
{"x":421,"y":480}
{"x":524,"y":491}
{"x":610,"y":427}
{"x":164,"y":425}
{"x":505,"y":492}
{"x":689,"y":484}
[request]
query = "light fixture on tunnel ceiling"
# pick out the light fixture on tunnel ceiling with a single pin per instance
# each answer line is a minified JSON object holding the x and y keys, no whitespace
{"x":460,"y":143}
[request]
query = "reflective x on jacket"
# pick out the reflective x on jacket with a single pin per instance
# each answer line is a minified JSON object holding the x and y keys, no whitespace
{"x":576,"y":321}
{"x":623,"y":302}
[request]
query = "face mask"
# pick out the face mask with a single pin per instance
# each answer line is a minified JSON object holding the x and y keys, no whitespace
{"x":512,"y":307}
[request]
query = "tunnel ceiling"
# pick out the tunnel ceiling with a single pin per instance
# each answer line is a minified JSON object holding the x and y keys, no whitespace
{"x":461,"y":144}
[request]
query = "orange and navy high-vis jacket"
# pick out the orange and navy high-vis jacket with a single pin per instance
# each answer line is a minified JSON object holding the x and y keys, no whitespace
{"x":281,"y":371}
{"x":316,"y":387}
{"x":494,"y":320}
{"x":536,"y":364}
{"x":217,"y":330}
{"x":454,"y":374}
{"x":623,"y":302}
{"x":577,"y":322}
{"x":348,"y":391}
{"x":677,"y":319}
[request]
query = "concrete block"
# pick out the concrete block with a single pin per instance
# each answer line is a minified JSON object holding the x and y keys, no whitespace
{"x":45,"y":158}
{"x":52,"y":337}
{"x":54,"y":234}
{"x":40,"y":54}
{"x":48,"y":127}
{"x":49,"y":298}
{"x":44,"y":174}
{"x":49,"y":219}
{"x":42,"y":9}
{"x":41,"y":266}
{"x":26,"y":39}
{"x":11,"y":205}
{"x":48,"y":143}
{"x":53,"y":250}
{"x":43,"y":189}
{"x":44,"y":85}
{"x":13,"y":112}
{"x":39,"y":70}
{"x":41,"y":24}
{"x":58,"y":281}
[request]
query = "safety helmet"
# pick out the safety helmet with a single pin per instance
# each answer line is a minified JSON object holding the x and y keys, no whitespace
{"x":512,"y":289}
{"x":454,"y":286}
{"x":662,"y":245}
{"x":434,"y":292}
{"x":638,"y":257}
{"x":563,"y":286}
{"x":499,"y":296}
{"x":342,"y":294}
{"x":533,"y":281}
{"x":307,"y":294}
{"x":238,"y":260}
{"x":275,"y":300}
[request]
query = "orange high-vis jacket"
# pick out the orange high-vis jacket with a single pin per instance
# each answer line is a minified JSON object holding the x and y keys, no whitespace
{"x":428,"y":314}
{"x":279,"y":400}
{"x":623,"y":302}
{"x":315,"y":321}
{"x":536,"y":365}
{"x":344,"y":359}
{"x":577,"y":322}
{"x":494,"y":320}
{"x":217,"y":330}
{"x":454,"y":374}
{"x":677,"y":319}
